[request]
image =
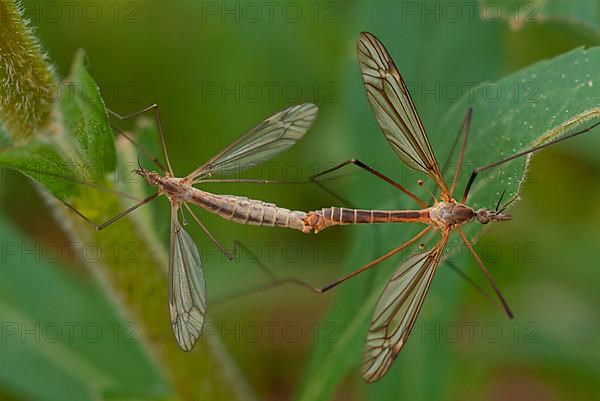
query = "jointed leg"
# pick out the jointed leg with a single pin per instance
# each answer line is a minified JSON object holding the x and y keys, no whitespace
{"x":112,"y":220}
{"x":523,"y":153}
{"x":141,"y":148}
{"x":473,"y":284}
{"x":486,"y":272}
{"x":158,"y":123}
{"x":81,"y":182}
{"x":273,"y":280}
{"x":376,"y":261}
{"x":446,"y":164}
{"x":373,"y":171}
{"x":465,"y":127}
{"x":246,"y":181}
{"x":227,"y":254}
{"x":340,"y":198}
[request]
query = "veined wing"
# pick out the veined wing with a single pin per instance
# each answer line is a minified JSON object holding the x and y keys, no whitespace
{"x":272,"y":136}
{"x":187,"y":291}
{"x":396,"y":311}
{"x":394,"y":109}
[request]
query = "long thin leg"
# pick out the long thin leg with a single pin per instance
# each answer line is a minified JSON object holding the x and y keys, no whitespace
{"x":523,"y":153}
{"x":465,"y":128}
{"x":227,"y":254}
{"x":373,"y":171}
{"x":273,"y":280}
{"x":126,"y":212}
{"x":81,"y":182}
{"x":158,"y":123}
{"x":247,"y":181}
{"x":486,"y":272}
{"x":258,"y":181}
{"x":334,"y":194}
{"x":141,"y":148}
{"x":265,"y":287}
{"x":376,"y":261}
{"x":112,"y":220}
{"x":473,"y":284}
{"x":450,"y":155}
{"x":238,"y":244}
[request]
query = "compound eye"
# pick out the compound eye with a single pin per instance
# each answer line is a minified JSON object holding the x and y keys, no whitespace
{"x":483,"y":218}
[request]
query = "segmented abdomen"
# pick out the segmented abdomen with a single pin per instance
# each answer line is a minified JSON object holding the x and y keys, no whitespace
{"x":332,"y":216}
{"x":249,"y":211}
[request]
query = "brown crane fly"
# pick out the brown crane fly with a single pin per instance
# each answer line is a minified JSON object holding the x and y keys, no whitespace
{"x":401,"y":300}
{"x":187,"y":290}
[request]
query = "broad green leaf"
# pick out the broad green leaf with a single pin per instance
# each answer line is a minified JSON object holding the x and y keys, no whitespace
{"x":86,"y":119}
{"x":41,"y":161}
{"x":61,"y":340}
{"x":540,"y":103}
{"x":83,"y":152}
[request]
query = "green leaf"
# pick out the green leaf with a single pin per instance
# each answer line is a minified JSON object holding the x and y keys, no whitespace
{"x":41,"y":161}
{"x":61,"y":340}
{"x":542,"y":102}
{"x":84,"y":151}
{"x":86,"y":119}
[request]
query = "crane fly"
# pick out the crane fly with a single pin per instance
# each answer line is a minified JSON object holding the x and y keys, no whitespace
{"x":401,"y":300}
{"x":187,"y":292}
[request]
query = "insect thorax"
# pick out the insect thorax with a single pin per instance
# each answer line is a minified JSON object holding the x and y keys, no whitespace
{"x":446,"y":214}
{"x":176,"y":188}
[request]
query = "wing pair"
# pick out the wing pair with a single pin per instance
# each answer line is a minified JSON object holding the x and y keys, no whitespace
{"x":394,"y":109}
{"x":187,"y":289}
{"x":401,"y":300}
{"x":396,"y":311}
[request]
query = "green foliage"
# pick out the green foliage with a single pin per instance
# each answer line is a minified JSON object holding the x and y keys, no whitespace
{"x":539,"y":103}
{"x":65,"y":321}
{"x":27,"y":83}
{"x":84,"y":148}
{"x":86,"y":119}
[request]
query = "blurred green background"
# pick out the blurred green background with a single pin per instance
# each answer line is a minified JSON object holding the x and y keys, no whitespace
{"x":217,"y":69}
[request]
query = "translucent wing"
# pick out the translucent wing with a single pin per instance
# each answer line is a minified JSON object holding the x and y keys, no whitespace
{"x":272,"y":136}
{"x":394,"y":108}
{"x":397,"y":310}
{"x":187,"y":295}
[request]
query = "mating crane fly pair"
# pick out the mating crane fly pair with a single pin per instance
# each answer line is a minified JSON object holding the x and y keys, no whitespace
{"x":401,"y":300}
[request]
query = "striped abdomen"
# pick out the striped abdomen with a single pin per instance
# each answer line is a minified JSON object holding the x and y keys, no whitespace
{"x":333,"y":216}
{"x":249,"y":211}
